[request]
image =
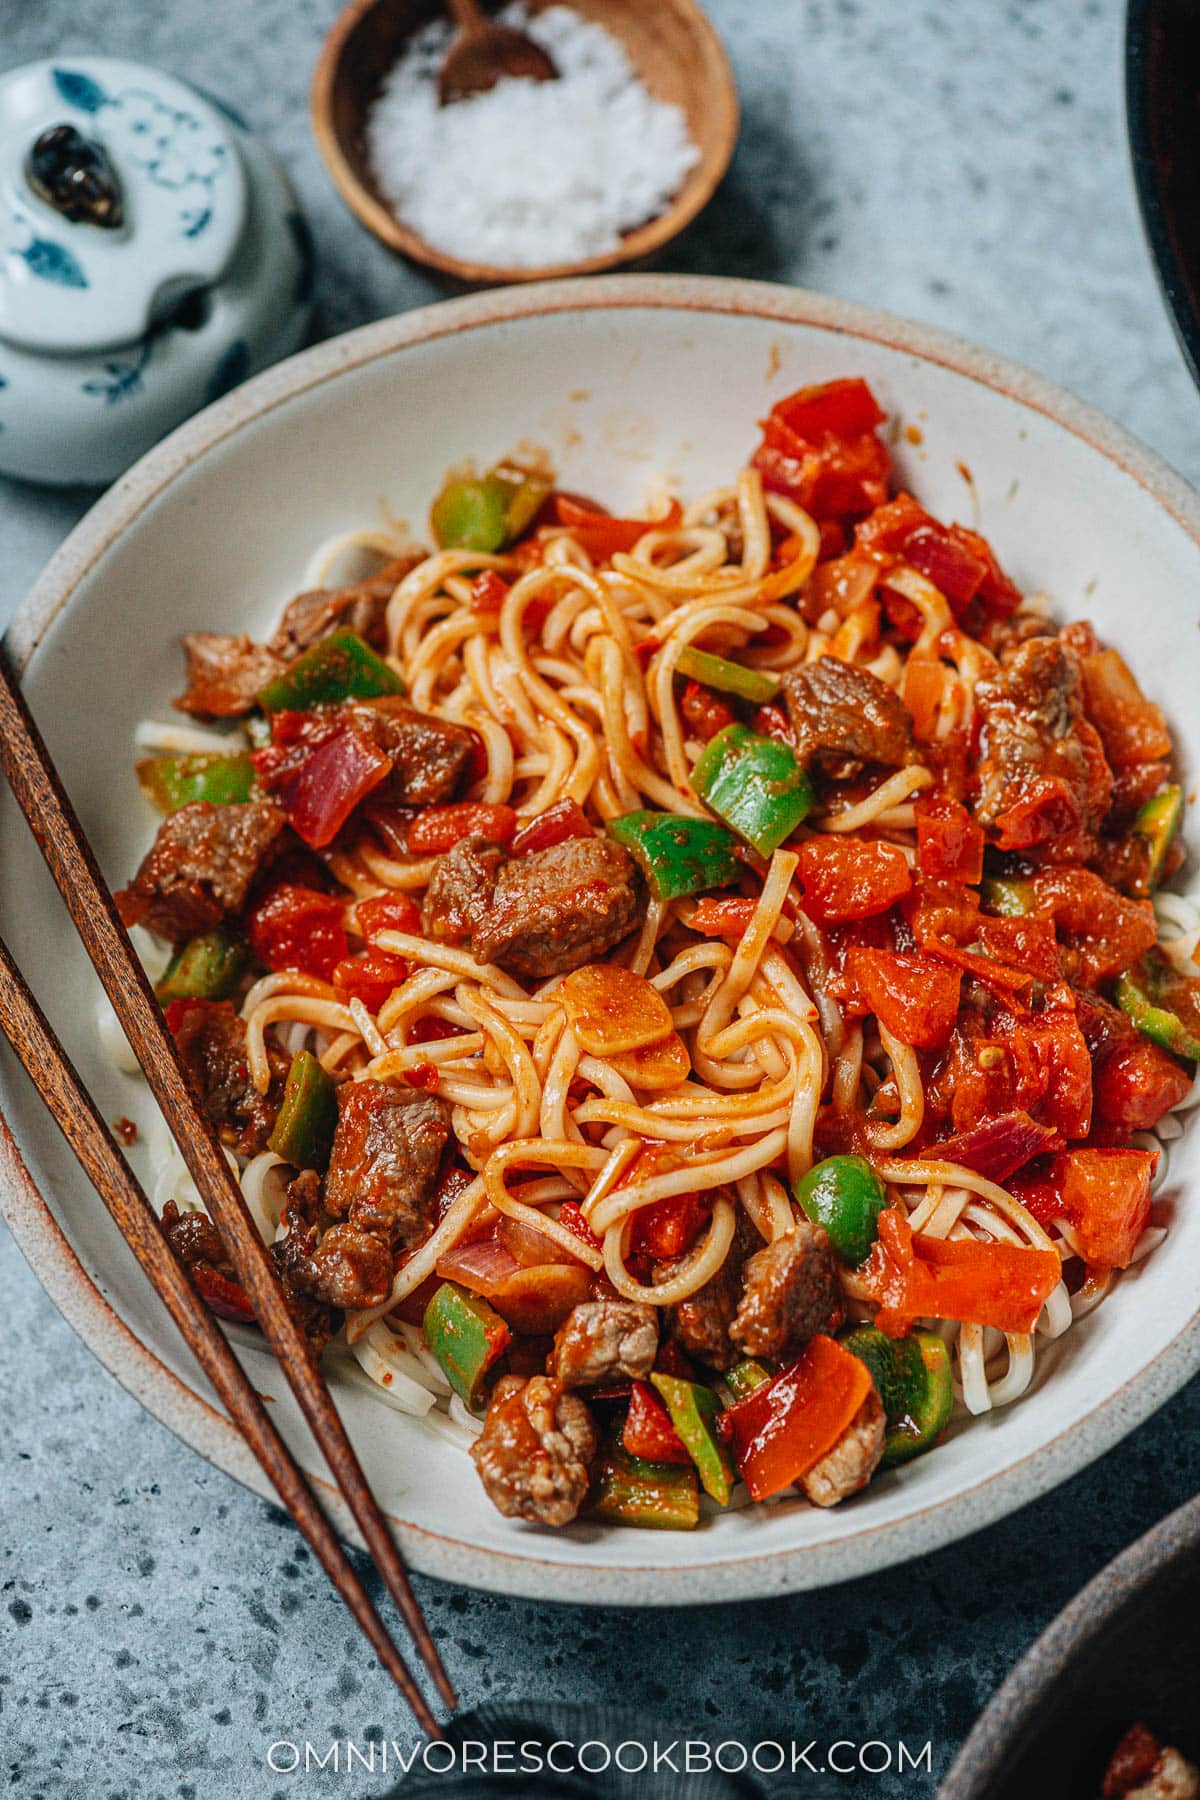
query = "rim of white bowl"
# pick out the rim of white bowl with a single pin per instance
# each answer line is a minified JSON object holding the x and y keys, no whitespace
{"x":529,"y":1572}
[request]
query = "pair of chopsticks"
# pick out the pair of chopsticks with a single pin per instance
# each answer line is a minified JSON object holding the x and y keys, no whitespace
{"x":48,"y":811}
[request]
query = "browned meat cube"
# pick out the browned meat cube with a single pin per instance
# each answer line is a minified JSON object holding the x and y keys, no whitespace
{"x":843,"y":716}
{"x":603,"y":1339}
{"x":361,"y":608}
{"x":212,"y":1043}
{"x":535,"y":1451}
{"x":790,"y":1290}
{"x":387,"y":1150}
{"x":537,"y":915}
{"x":351,"y":1268}
{"x":853,"y":1460}
{"x":430,"y":757}
{"x":199,"y":869}
{"x":460,"y":891}
{"x":1043,"y":781}
{"x":700,"y":1324}
{"x":225,"y":674}
{"x":193,"y":1237}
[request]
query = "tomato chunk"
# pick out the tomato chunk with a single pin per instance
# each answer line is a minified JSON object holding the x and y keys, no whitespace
{"x":298,"y":928}
{"x":851,"y":878}
{"x":1104,"y":1194}
{"x":439,"y":828}
{"x":669,"y":1227}
{"x":370,"y":976}
{"x":648,"y":1430}
{"x":566,"y":819}
{"x":949,"y":842}
{"x":388,"y":912}
{"x":913,"y":996}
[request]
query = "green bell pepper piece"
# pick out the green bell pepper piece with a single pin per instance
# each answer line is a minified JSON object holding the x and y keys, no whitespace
{"x":727,"y":677}
{"x":745,"y":1377}
{"x":467,"y":1336}
{"x":1010,"y":898}
{"x":338,"y":667}
{"x":175,"y":781}
{"x":845,"y":1195}
{"x":1157,"y":823}
{"x":303,"y":1133}
{"x":912,"y":1375}
{"x":205,"y":968}
{"x":678,"y":855}
{"x":471,"y":514}
{"x":755,"y":784}
{"x":694,"y":1409}
{"x":1162,"y":1003}
{"x":628,"y":1490}
{"x":528,"y":494}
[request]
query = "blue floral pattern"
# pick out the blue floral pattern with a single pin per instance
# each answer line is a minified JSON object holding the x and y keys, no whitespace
{"x":120,"y":380}
{"x":54,"y":262}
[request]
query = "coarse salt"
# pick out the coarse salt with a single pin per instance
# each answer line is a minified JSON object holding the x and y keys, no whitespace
{"x":532,"y":172}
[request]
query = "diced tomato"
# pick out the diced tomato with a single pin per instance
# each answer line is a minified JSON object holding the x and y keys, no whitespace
{"x":1037,"y":1063}
{"x":912,"y":1276}
{"x":959,"y":562}
{"x":424,"y":1075}
{"x":648,"y":1430}
{"x":600,"y":534}
{"x":570,"y":1214}
{"x":1028,"y":945}
{"x":851,"y":878}
{"x":781,"y":1429}
{"x":298,"y":928}
{"x":388,"y":912}
{"x":669,"y":1227}
{"x":319,"y":782}
{"x":1000,"y":595}
{"x":439,"y":828}
{"x":489,"y":591}
{"x":831,"y":474}
{"x":1107,"y":932}
{"x":913,"y":996}
{"x":705,"y":711}
{"x":1134,"y":1084}
{"x":1104,"y":1194}
{"x":846,"y":407}
{"x":1132,"y":729}
{"x":566,"y":819}
{"x":370,"y":976}
{"x":998,"y":1147}
{"x":411,"y":1310}
{"x":431,"y":1029}
{"x":949,"y":842}
{"x":722,"y":918}
{"x":176,"y":1011}
{"x":833,"y":543}
{"x":221,"y":1294}
{"x":885,"y":532}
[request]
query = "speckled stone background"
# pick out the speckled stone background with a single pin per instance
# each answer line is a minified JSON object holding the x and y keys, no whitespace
{"x":963,"y":162}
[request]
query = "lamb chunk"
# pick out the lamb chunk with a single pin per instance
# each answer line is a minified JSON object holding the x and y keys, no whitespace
{"x":361,"y":608}
{"x":352,"y":1268}
{"x":430,"y":757}
{"x":854,"y":1458}
{"x":556,"y":909}
{"x":193,"y":1237}
{"x":387,"y":1150}
{"x":212,"y":1043}
{"x":1043,"y":781}
{"x":200,"y":867}
{"x":700,"y":1324}
{"x":224,"y":675}
{"x":535,"y":1451}
{"x":790,"y":1290}
{"x":460,"y":891}
{"x":843,"y":716}
{"x":603,"y":1339}
{"x":1143,"y":1769}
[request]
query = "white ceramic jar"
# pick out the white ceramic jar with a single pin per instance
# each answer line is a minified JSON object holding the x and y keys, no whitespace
{"x":152,"y":256}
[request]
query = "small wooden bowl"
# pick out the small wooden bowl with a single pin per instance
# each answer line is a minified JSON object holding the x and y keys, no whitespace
{"x":671,"y":45}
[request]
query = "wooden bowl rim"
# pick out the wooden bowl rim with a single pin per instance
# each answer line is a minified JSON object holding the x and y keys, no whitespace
{"x":642,"y":241}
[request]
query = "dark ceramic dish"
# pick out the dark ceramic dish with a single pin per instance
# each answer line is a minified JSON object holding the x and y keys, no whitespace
{"x":1162,"y":99}
{"x":1126,"y":1648}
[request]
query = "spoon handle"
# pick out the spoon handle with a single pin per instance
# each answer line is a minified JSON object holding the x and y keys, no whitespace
{"x":469,"y":16}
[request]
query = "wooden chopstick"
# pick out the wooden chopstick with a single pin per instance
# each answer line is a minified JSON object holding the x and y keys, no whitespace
{"x":39,"y":793}
{"x":77,"y":1117}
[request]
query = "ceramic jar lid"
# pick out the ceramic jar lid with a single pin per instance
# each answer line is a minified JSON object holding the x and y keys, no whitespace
{"x":155,"y":179}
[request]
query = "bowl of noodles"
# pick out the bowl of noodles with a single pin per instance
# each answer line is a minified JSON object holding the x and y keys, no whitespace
{"x":664,"y":847}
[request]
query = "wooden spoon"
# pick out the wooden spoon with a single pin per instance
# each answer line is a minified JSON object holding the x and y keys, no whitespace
{"x":483,"y":54}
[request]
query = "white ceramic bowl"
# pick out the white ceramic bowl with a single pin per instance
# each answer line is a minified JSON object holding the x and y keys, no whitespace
{"x":623,"y":379}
